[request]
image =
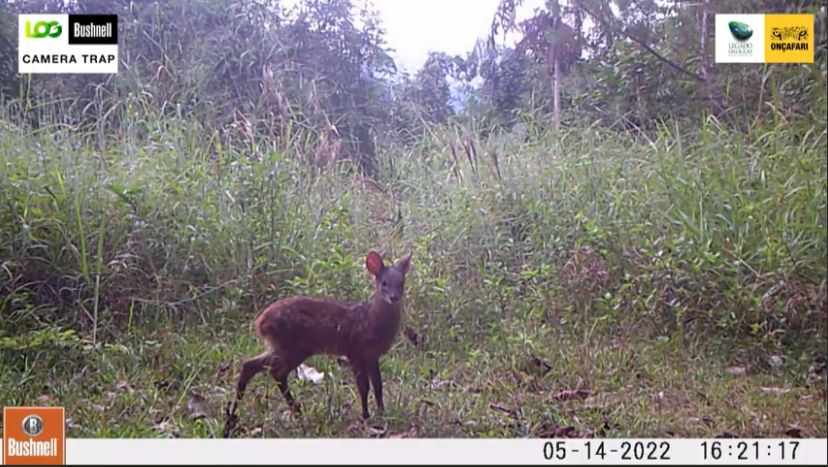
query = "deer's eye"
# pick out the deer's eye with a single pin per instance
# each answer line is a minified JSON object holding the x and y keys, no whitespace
{"x":384,"y":283}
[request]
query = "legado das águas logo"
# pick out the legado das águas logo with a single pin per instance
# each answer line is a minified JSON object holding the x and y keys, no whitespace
{"x":742,"y":47}
{"x":740,"y":31}
{"x":62,"y":43}
{"x":738,"y":39}
{"x":34,"y":435}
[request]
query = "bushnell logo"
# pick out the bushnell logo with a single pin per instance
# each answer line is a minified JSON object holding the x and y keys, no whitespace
{"x":43,"y":29}
{"x":34,"y":436}
{"x":33,"y":425}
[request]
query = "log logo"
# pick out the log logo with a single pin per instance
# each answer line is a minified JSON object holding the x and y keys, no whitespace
{"x":43,"y":29}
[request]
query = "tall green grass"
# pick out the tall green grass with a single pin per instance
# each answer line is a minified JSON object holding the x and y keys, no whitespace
{"x":710,"y":231}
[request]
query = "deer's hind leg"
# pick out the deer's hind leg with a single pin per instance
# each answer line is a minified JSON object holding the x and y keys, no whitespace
{"x":280,"y":370}
{"x":249,"y":368}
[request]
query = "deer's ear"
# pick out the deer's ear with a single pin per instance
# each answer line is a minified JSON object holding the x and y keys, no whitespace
{"x":374,"y":263}
{"x":404,"y":263}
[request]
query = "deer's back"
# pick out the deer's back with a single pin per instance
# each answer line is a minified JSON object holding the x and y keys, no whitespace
{"x":309,"y":325}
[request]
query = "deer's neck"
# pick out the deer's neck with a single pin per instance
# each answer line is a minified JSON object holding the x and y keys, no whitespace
{"x":386,"y":316}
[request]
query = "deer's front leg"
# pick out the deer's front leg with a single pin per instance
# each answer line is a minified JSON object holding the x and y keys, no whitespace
{"x":376,"y":381}
{"x":361,"y":374}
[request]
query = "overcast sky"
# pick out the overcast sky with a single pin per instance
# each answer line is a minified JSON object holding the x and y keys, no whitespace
{"x":415,"y":27}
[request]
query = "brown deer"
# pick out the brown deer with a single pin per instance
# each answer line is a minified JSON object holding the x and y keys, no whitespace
{"x":296,"y":328}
